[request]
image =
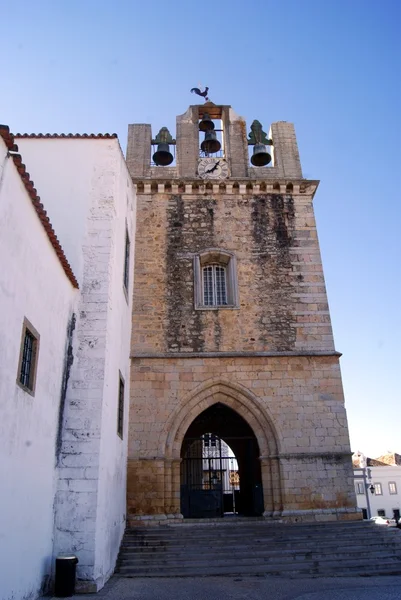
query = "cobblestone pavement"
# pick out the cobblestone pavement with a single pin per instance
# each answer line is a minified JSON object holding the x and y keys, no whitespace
{"x":250,"y":588}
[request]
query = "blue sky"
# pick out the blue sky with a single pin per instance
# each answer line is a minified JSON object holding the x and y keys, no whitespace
{"x":331,"y":67}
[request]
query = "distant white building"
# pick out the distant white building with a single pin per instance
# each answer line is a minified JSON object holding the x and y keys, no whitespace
{"x":378,"y":485}
{"x":219,"y":463}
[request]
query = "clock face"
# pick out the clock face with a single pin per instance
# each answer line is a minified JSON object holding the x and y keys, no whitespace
{"x":213,"y":168}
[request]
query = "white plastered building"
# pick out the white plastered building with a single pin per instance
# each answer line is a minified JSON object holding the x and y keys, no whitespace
{"x":66,"y":290}
{"x":377,"y":487}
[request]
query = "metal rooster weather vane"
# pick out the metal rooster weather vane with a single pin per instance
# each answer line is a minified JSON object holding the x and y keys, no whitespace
{"x":199,"y":93}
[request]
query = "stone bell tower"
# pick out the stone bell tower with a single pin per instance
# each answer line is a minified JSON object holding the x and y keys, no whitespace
{"x":231,"y":328}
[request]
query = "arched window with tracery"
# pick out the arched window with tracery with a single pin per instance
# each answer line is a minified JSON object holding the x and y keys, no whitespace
{"x":215,"y":280}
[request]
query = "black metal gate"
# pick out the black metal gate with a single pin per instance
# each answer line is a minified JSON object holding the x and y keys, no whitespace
{"x":210,"y":479}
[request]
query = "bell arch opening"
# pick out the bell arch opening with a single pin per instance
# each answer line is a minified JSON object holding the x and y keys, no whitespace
{"x":220,"y":466}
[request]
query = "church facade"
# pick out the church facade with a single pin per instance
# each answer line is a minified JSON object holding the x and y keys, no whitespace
{"x":166,"y":308}
{"x":231,"y":329}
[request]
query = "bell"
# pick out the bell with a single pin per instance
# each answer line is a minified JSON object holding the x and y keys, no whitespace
{"x":260,"y":157}
{"x":210,"y":144}
{"x":163,"y":157}
{"x":206,"y":124}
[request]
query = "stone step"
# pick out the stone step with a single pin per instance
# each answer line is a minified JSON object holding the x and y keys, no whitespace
{"x":239,"y":553}
{"x":273,"y":530}
{"x":202,"y":565}
{"x":323,"y":569}
{"x":205,"y":525}
{"x":278,"y":549}
{"x":251,"y":541}
{"x":206,"y":560}
{"x":244,"y":544}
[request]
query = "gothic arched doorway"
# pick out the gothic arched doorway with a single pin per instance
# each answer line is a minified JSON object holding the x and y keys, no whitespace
{"x":220,"y":466}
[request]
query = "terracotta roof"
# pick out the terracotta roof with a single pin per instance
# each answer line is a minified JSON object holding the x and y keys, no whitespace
{"x":391,"y":458}
{"x":91,"y":136}
{"x":38,"y":206}
{"x":374,"y":462}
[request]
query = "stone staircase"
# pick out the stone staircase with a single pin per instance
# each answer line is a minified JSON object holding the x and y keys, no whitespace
{"x":260,"y":548}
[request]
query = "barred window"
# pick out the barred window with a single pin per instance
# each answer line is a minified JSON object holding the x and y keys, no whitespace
{"x":28,"y":359}
{"x":214,"y":286}
{"x":209,"y":440}
{"x":215,"y":280}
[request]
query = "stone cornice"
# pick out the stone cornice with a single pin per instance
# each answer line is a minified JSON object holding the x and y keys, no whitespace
{"x":293,"y":187}
{"x":189,"y":355}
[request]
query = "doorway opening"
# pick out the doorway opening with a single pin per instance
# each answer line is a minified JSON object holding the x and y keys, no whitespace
{"x":220,"y":467}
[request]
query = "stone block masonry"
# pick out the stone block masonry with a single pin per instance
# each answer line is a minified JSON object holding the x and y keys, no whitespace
{"x":268,"y":354}
{"x":301,"y":397}
{"x":282,"y":295}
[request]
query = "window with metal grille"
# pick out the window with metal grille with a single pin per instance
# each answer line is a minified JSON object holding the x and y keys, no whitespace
{"x":215,"y":280}
{"x":120,"y":416}
{"x":214,"y":285}
{"x":28,"y":358}
{"x":209,"y":440}
{"x":126,"y":260}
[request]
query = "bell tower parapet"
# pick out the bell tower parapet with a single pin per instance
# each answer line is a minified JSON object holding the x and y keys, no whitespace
{"x":138,"y":150}
{"x":234,"y":151}
{"x":187,"y":143}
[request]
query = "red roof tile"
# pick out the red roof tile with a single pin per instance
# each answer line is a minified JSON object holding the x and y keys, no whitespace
{"x":391,"y":458}
{"x":38,"y":206}
{"x":92,"y":136}
{"x":374,"y":462}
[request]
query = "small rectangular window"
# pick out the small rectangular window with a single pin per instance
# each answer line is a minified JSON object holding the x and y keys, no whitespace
{"x":28,"y":359}
{"x":392,"y":487}
{"x":381,"y":512}
{"x":126,"y":259}
{"x":378,"y":489}
{"x":120,"y":416}
{"x":221,"y":291}
{"x":359,"y":488}
{"x":214,"y":286}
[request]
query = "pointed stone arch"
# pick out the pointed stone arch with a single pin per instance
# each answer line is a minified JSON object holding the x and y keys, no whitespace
{"x":234,"y":396}
{"x":241,"y":400}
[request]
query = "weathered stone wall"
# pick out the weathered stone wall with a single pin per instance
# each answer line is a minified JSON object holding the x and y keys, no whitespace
{"x":270,"y":356}
{"x":300,"y":398}
{"x":282,"y":296}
